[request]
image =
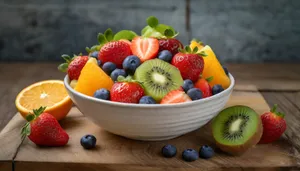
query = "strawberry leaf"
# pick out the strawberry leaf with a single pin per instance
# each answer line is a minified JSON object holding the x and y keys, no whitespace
{"x":88,"y":50}
{"x":209,"y":79}
{"x":203,"y":54}
{"x":188,"y":49}
{"x":25,"y":131}
{"x":67,"y":58}
{"x":109,"y":34}
{"x":39,"y":111}
{"x":121,"y":78}
{"x":198,"y":41}
{"x":101,"y":39}
{"x":63,"y":67}
{"x":195,"y":50}
{"x":125,"y":34}
{"x":152,"y":21}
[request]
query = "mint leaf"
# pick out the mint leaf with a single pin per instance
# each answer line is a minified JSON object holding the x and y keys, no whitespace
{"x":101,"y":39}
{"x":109,"y":34}
{"x":169,"y":33}
{"x":152,"y":21}
{"x":63,"y":67}
{"x":125,"y":34}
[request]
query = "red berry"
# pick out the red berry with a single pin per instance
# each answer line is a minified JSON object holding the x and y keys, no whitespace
{"x":274,"y":126}
{"x":190,"y":65}
{"x":45,"y":130}
{"x":144,"y":48}
{"x":126,"y":92}
{"x":115,"y":52}
{"x":204,"y":86}
{"x":175,"y":96}
{"x":76,"y":66}
{"x":170,"y":44}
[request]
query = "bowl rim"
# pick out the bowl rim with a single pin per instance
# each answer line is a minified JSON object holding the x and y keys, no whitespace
{"x":156,"y":106}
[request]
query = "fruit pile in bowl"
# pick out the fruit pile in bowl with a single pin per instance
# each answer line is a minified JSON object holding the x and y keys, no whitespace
{"x":148,"y":86}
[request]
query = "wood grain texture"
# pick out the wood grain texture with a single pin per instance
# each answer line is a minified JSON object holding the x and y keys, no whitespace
{"x":10,"y":138}
{"x":5,"y":166}
{"x":115,"y":152}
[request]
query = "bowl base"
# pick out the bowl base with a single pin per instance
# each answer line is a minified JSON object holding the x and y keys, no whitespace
{"x":153,"y":138}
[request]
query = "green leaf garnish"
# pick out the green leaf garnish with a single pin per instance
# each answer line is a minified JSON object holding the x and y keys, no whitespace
{"x":209,"y":79}
{"x":152,"y":21}
{"x":169,"y":33}
{"x":109,"y":34}
{"x":63,"y":67}
{"x":125,"y":34}
{"x":195,"y":50}
{"x":101,"y":39}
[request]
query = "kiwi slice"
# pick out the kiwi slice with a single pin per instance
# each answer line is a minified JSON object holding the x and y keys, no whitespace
{"x":236,"y":129}
{"x":158,"y":78}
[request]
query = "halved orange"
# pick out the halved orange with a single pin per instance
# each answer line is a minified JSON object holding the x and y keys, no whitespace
{"x":50,"y":94}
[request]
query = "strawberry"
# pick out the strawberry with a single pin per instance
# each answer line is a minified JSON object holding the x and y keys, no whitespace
{"x":44,"y":130}
{"x":126,"y":91}
{"x":115,"y":52}
{"x":73,"y":66}
{"x":274,"y":125}
{"x":144,"y":48}
{"x":175,"y":96}
{"x":203,"y":85}
{"x":170,"y":44}
{"x":190,"y":63}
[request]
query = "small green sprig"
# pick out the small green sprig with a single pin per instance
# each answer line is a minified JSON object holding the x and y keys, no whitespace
{"x":187,"y":49}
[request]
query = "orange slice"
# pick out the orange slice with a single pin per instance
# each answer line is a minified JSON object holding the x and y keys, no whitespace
{"x":50,"y":93}
{"x":212,"y":67}
{"x":92,"y":78}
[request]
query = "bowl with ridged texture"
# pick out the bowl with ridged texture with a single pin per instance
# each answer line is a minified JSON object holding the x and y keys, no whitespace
{"x":149,"y":122}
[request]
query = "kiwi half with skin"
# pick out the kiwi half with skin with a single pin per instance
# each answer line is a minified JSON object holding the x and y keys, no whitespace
{"x":158,"y":78}
{"x":236,"y":129}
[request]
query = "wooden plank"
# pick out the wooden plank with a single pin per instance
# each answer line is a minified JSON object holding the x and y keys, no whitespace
{"x":10,"y":138}
{"x":115,"y":152}
{"x":266,"y":77}
{"x":26,"y":166}
{"x":5,"y":166}
{"x":289,"y":106}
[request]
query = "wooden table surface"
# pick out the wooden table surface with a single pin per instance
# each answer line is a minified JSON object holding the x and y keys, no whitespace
{"x":278,"y":83}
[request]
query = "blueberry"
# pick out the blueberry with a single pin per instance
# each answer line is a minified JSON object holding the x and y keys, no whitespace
{"x":147,"y":100}
{"x":190,"y":155}
{"x":99,"y":62}
{"x":217,"y":89}
{"x":131,"y":63}
{"x":226,"y":70}
{"x":165,"y":55}
{"x":206,"y":152}
{"x":169,"y":151}
{"x":88,"y":141}
{"x":108,"y":67}
{"x":117,"y":72}
{"x":187,"y":84}
{"x":195,"y":94}
{"x":102,"y":94}
{"x":94,"y":54}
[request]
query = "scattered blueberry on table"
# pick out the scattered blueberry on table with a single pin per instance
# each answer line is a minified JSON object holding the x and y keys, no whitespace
{"x":206,"y":152}
{"x":169,"y":151}
{"x":88,"y":141}
{"x":190,"y":155}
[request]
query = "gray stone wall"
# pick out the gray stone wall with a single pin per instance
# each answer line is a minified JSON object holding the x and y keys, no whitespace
{"x":238,"y":30}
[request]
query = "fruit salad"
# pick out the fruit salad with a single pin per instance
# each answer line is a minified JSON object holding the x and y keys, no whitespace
{"x":151,"y":68}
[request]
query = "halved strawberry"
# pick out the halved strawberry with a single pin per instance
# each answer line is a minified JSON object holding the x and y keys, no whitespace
{"x":203,"y":85}
{"x":144,"y":48}
{"x":175,"y":96}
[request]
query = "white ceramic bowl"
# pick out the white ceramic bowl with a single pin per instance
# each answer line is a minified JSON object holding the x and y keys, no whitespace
{"x":149,"y":122}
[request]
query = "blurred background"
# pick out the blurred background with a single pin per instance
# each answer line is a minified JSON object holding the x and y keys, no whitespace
{"x":241,"y":31}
